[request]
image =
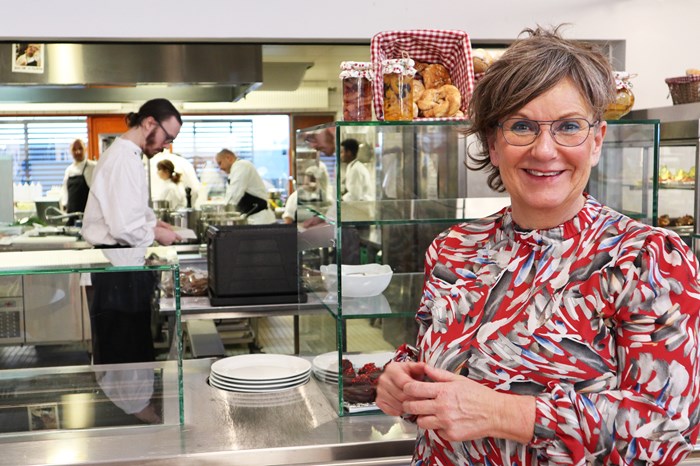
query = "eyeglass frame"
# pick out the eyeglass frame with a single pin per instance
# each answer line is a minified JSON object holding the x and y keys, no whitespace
{"x":551,"y":133}
{"x":169,"y":139}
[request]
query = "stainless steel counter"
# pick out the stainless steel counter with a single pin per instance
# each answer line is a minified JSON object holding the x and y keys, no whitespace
{"x":297,"y":426}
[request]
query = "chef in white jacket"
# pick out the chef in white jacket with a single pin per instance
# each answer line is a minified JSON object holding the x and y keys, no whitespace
{"x":117,"y":215}
{"x":246,"y":189}
{"x":358,"y":182}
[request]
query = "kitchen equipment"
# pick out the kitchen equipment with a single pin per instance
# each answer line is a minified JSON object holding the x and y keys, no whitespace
{"x":178,"y":219}
{"x":162,"y":210}
{"x":42,"y":206}
{"x":253,"y":264}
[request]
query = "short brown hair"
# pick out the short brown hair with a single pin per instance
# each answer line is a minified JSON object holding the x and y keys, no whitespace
{"x":530,"y":67}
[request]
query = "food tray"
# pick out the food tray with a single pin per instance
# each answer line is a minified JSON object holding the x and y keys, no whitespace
{"x":449,"y":48}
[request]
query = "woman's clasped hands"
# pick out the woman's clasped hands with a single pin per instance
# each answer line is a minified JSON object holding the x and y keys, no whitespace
{"x":457,"y":408}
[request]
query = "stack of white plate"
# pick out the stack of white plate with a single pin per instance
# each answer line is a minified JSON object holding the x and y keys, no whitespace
{"x":325,"y":366}
{"x":259,"y":373}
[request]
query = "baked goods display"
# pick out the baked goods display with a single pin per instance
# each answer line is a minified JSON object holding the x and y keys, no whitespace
{"x":482,"y":60}
{"x":398,"y":89}
{"x":357,"y":90}
{"x":442,"y":57}
{"x":194,"y":282}
{"x":680,"y":177}
{"x":434,"y":95}
{"x":668,"y":221}
{"x":360,"y":384}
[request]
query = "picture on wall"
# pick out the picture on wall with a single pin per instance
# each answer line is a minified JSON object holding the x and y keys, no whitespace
{"x":27,"y":57}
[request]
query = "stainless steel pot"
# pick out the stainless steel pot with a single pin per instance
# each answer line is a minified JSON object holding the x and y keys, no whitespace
{"x":162,"y":210}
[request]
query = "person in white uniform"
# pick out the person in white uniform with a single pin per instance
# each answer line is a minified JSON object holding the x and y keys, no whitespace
{"x":358,"y":182}
{"x":117,"y":215}
{"x":187,"y":172}
{"x":246,"y":189}
{"x":172,"y":189}
{"x":77,"y":180}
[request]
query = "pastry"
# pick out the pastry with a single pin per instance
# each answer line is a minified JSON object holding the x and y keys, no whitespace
{"x":435,"y":75}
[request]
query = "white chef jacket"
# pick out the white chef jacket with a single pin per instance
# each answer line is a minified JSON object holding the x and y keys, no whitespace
{"x":358,"y":183}
{"x":76,"y":169}
{"x":172,"y":192}
{"x":117,"y":209}
{"x":290,"y":207}
{"x":182,"y":166}
{"x":244,"y":178}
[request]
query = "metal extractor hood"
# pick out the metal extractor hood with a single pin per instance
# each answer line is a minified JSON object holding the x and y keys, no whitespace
{"x":131,"y":72}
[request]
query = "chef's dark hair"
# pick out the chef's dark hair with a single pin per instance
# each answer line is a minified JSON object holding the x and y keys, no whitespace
{"x":159,"y":109}
{"x":352,"y":145}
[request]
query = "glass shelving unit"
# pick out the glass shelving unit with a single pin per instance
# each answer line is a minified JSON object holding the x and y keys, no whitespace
{"x":46,"y":400}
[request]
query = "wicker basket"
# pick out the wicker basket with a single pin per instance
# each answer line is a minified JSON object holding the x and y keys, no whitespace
{"x":684,"y":89}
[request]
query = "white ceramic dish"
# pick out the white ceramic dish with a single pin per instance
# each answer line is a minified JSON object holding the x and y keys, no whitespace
{"x":359,"y":281}
{"x":268,"y":367}
{"x":258,"y":383}
{"x":244,"y":389}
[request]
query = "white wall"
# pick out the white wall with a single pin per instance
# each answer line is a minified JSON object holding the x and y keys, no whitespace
{"x":663,"y":36}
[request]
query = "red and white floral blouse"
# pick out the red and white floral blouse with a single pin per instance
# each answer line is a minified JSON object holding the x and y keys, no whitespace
{"x":597,"y":318}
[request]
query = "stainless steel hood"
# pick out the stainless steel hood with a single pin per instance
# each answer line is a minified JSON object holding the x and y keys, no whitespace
{"x":132,"y":72}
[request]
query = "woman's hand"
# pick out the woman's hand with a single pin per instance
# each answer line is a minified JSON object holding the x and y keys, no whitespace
{"x":460,"y":409}
{"x":390,"y":389}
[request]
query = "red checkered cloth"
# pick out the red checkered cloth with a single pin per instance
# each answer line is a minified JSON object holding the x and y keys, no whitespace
{"x":451,"y":49}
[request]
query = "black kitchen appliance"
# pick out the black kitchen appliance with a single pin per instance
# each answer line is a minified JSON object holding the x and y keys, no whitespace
{"x":253,"y":264}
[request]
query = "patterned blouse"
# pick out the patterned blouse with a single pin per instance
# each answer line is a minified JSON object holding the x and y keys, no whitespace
{"x":597,"y":318}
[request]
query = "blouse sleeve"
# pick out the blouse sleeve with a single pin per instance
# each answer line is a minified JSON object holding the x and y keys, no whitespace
{"x":650,"y":415}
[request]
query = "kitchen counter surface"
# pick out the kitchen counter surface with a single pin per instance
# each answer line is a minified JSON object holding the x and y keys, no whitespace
{"x":297,"y":426}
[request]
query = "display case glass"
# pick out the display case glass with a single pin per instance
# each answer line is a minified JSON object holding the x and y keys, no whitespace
{"x":407,"y":183}
{"x":381,"y":209}
{"x":677,"y":182}
{"x":626,"y":175}
{"x":52,"y":383}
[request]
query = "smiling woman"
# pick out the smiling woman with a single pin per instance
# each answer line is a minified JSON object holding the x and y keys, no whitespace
{"x":548,"y":325}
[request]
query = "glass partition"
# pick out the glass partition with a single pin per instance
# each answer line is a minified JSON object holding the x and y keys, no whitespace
{"x":62,"y":364}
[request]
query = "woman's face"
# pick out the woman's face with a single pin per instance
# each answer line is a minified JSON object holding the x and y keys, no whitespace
{"x":546,"y":180}
{"x":163,"y":174}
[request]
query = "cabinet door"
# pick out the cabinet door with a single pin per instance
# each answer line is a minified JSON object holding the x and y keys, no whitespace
{"x":52,"y":308}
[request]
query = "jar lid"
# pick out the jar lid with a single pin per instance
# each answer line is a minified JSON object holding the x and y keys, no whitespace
{"x":404,"y":66}
{"x":356,"y":69}
{"x":622,"y":80}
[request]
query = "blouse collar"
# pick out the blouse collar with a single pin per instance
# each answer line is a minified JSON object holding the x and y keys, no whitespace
{"x":567,"y":230}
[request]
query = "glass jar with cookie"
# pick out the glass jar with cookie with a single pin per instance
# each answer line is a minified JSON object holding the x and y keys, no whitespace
{"x":398,"y":89}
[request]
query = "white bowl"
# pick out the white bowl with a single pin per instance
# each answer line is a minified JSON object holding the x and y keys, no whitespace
{"x":359,"y":281}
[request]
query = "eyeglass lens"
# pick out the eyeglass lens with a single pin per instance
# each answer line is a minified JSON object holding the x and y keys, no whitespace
{"x":566,"y":132}
{"x":168,"y":138}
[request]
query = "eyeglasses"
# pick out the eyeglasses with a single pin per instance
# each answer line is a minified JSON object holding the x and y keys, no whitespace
{"x":168,"y":138}
{"x":569,"y":132}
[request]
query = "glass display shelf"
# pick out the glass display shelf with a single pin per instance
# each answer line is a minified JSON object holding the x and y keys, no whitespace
{"x":415,"y":184}
{"x":405,"y":211}
{"x":53,"y":384}
{"x":51,"y":400}
{"x":399,"y":299}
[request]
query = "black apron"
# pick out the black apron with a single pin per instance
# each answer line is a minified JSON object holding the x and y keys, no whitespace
{"x":250,"y":204}
{"x":78,"y":191}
